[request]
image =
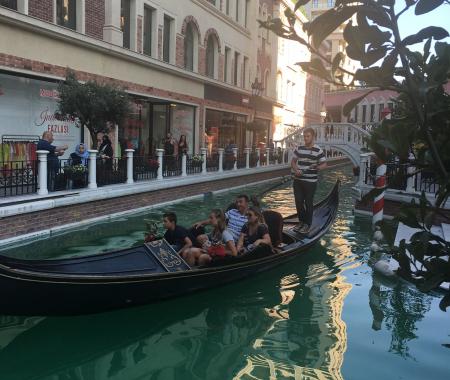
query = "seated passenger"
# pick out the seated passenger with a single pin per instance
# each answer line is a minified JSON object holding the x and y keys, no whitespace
{"x":218,"y":243}
{"x":236,"y":217}
{"x":254,"y":232}
{"x":175,"y":235}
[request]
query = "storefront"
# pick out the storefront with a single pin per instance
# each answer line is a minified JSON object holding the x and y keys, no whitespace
{"x":28,"y":109}
{"x":224,"y":127}
{"x":149,"y":122}
{"x":262,"y":133}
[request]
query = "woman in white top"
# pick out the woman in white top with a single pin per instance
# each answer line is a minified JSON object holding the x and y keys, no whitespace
{"x":219,"y":243}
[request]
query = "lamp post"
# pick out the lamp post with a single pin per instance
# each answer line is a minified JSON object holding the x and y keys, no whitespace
{"x":257,"y":89}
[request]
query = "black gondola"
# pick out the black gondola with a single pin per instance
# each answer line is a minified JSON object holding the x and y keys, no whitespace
{"x":140,"y":275}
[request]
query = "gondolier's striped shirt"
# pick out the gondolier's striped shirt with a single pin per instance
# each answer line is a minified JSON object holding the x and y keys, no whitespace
{"x":307,"y":157}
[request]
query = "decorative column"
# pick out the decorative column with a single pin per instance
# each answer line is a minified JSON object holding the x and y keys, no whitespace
{"x":363,"y":161}
{"x":183,"y":165}
{"x":42,"y":172}
{"x":258,"y":154}
{"x":92,"y":169}
{"x":247,"y":158}
{"x":235,"y":153}
{"x":268,"y":156}
{"x":22,"y":6}
{"x":378,"y":202}
{"x":112,"y":31}
{"x":220,"y":159}
{"x":411,"y":175}
{"x":159,"y":154}
{"x":204,"y":150}
{"x":130,"y":165}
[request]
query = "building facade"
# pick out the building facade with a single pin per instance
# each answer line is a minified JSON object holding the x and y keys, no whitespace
{"x":187,"y":66}
{"x":335,"y":41}
{"x":300,"y":96}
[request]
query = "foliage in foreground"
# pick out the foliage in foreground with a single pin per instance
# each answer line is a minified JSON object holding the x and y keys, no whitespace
{"x":421,"y":124}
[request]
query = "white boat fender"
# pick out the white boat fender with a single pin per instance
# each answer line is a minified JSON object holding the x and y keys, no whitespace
{"x":383,"y":267}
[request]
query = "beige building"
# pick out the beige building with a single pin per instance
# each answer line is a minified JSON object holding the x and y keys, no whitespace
{"x":187,"y":65}
{"x":299,"y":95}
{"x":335,"y":40}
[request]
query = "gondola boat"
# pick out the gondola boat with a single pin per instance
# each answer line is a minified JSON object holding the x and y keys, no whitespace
{"x":142,"y":274}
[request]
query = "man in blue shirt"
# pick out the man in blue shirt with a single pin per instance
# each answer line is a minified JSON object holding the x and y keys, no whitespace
{"x":52,"y":157}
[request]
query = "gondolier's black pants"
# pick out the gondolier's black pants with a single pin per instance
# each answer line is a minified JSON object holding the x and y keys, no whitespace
{"x":304,"y":197}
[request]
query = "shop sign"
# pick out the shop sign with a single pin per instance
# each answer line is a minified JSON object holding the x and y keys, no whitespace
{"x":29,"y":107}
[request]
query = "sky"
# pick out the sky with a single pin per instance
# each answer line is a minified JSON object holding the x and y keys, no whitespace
{"x":409,"y":23}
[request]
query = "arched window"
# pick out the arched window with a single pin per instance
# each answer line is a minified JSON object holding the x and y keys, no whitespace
{"x":189,"y":48}
{"x":211,"y":56}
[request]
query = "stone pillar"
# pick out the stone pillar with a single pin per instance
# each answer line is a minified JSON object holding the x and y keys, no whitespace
{"x":267,"y":156}
{"x":130,"y":165}
{"x":235,"y":153}
{"x":92,"y":169}
{"x":159,"y":154}
{"x":42,"y":172}
{"x":247,"y":158}
{"x":183,"y":165}
{"x":203,"y":152}
{"x":112,"y":31}
{"x":258,"y":154}
{"x":411,"y":179}
{"x":363,"y":161}
{"x":220,"y":159}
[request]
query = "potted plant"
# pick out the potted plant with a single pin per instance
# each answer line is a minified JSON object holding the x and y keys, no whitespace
{"x":197,"y":160}
{"x":75,"y":172}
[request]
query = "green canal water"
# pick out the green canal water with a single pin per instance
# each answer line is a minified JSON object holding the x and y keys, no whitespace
{"x":323,"y":316}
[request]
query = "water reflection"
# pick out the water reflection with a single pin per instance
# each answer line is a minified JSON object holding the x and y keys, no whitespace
{"x":290,"y":328}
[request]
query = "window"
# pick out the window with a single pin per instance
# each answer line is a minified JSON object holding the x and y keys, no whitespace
{"x":66,"y":12}
{"x":148,"y":30}
{"x":246,"y":13}
{"x":380,"y":111}
{"x":236,"y":68}
{"x":245,"y":73}
{"x":166,"y":38}
{"x":125,"y":13}
{"x":372,"y":113}
{"x":189,"y":48}
{"x":226,"y":74}
{"x":237,"y":10}
{"x":12,"y":4}
{"x":364,"y":110}
{"x":315,"y":3}
{"x":211,"y":48}
{"x":330,"y":3}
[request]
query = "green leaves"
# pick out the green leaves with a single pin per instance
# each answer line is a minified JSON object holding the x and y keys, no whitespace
{"x":435,"y":32}
{"x":350,"y":105}
{"x":325,"y":24}
{"x":315,"y":67}
{"x":425,"y":6}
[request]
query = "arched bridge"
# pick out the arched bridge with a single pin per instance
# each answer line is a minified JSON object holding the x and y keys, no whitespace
{"x":347,"y":138}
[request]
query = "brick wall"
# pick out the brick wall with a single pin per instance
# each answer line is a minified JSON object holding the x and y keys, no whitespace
{"x":95,"y":18}
{"x":41,"y":9}
{"x":27,"y":223}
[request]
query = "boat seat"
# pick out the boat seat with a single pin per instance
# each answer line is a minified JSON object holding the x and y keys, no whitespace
{"x":274,"y":222}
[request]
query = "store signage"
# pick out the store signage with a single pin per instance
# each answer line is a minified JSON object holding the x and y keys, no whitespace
{"x":29,"y":107}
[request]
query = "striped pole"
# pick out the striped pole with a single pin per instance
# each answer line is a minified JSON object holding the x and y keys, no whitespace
{"x":378,"y":202}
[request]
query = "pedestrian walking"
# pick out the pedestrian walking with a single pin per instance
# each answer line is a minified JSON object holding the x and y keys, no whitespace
{"x":308,"y":159}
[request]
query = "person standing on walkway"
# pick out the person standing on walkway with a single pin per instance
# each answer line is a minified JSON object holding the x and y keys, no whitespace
{"x":308,"y":159}
{"x":52,"y":157}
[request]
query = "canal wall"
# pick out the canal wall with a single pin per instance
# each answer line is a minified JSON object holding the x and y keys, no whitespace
{"x":44,"y":217}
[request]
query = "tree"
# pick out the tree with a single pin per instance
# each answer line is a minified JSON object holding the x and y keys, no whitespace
{"x":421,"y":125}
{"x":94,"y":105}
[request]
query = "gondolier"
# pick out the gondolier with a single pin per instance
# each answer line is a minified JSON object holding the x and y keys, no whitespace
{"x":308,"y":159}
